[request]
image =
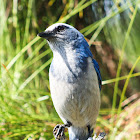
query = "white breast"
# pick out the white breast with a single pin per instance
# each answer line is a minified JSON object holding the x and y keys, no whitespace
{"x":77,"y":102}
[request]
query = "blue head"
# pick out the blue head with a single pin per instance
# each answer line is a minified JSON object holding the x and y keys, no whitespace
{"x":70,"y":44}
{"x":61,"y":35}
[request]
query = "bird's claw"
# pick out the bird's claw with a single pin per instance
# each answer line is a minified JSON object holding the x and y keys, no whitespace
{"x":58,"y":132}
{"x":102,"y":134}
{"x":100,"y":137}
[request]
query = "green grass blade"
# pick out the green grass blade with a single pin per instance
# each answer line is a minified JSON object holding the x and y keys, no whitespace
{"x":22,"y":52}
{"x":120,"y":78}
{"x":27,"y":25}
{"x":121,"y":58}
{"x":75,"y":11}
{"x":34,"y":74}
{"x":126,"y":84}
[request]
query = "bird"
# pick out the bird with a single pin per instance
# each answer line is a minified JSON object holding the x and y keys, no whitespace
{"x":75,"y":81}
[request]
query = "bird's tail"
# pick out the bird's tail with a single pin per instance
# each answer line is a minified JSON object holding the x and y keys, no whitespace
{"x":76,"y":133}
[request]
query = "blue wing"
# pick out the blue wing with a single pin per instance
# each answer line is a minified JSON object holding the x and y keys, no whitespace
{"x":87,"y":53}
{"x":96,"y":66}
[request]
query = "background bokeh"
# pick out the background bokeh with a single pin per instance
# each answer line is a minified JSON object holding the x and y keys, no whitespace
{"x":112,"y":29}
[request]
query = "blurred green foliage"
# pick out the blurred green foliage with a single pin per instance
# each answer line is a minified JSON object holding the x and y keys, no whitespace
{"x":26,"y":109}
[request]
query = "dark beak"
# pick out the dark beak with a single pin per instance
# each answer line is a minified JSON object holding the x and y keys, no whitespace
{"x":45,"y":34}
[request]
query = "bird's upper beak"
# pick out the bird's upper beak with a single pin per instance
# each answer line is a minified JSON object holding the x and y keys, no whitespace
{"x":45,"y":34}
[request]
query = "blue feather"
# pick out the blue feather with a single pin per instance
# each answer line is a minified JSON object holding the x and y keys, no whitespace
{"x":87,"y":53}
{"x":96,"y":66}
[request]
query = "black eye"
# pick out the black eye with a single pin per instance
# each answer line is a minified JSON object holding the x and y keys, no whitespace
{"x":60,"y":28}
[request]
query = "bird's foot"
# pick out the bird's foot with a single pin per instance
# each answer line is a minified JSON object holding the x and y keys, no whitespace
{"x":58,"y":131}
{"x":100,"y":137}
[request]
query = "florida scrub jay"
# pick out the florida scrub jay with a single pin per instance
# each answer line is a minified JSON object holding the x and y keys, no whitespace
{"x":75,"y":80}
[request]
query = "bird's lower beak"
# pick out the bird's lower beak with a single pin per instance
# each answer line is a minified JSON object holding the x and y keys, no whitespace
{"x":45,"y":34}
